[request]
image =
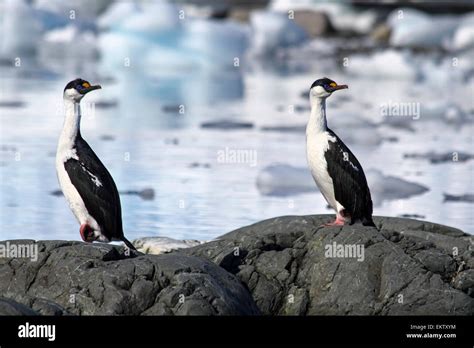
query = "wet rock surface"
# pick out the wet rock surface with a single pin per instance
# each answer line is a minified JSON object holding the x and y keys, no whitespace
{"x":97,"y":279}
{"x":409,"y":267}
{"x":282,"y":266}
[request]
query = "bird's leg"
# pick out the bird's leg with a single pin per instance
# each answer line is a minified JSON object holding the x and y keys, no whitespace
{"x":338,"y":222}
{"x":86,"y":233}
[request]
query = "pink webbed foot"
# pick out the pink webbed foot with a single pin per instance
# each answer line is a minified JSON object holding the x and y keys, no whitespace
{"x":338,"y":222}
{"x":87,"y":233}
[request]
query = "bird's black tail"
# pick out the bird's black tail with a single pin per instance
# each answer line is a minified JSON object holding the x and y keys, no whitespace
{"x":367,"y":221}
{"x":128,"y":244}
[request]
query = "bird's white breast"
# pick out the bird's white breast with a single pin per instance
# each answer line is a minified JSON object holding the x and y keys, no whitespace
{"x":317,"y":143}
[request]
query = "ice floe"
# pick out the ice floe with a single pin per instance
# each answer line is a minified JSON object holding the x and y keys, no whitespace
{"x":464,"y":35}
{"x":162,"y":245}
{"x":286,"y":180}
{"x":155,"y":39}
{"x":389,"y":64}
{"x":68,"y":43}
{"x":387,"y":187}
{"x":21,"y":29}
{"x":414,"y":28}
{"x":343,"y":17}
{"x":273,"y":30}
{"x":433,"y":157}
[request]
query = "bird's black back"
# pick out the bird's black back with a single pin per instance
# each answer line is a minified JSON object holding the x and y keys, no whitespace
{"x":350,"y":185}
{"x":102,"y":202}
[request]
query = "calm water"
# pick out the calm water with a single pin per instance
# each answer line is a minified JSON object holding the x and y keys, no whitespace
{"x":146,"y":143}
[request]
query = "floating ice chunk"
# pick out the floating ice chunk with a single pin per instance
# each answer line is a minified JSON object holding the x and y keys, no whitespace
{"x":63,"y":35}
{"x":387,"y":64}
{"x":67,"y":43}
{"x":272,"y":30}
{"x":343,"y":17}
{"x":220,"y":43}
{"x":413,"y":28}
{"x":161,"y":245}
{"x":156,"y":18}
{"x":359,"y":135}
{"x":445,"y":111}
{"x":153,"y":38}
{"x":284,"y":180}
{"x":464,"y":35}
{"x":287,"y":180}
{"x":116,"y":14}
{"x":440,"y":73}
{"x":390,"y":187}
{"x":149,"y":33}
{"x":80,"y":8}
{"x":21,"y":29}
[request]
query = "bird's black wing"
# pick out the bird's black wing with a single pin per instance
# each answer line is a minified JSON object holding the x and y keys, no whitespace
{"x":350,"y":185}
{"x":97,"y":189}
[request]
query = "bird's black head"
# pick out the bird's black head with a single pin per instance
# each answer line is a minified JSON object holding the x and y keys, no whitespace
{"x":324,"y":87}
{"x":77,"y":88}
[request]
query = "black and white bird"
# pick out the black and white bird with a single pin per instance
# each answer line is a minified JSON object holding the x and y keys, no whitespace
{"x":86,"y":183}
{"x":335,"y":169}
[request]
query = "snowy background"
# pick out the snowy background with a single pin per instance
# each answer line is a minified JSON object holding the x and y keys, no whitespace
{"x":203,"y":108}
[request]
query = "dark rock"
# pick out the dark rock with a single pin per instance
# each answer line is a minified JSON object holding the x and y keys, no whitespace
{"x":412,"y":216}
{"x":240,"y":14}
{"x":465,"y":281}
{"x":199,"y":165}
{"x":106,"y":104}
{"x":226,"y":125}
{"x":284,"y":129}
{"x":381,"y":33}
{"x":172,"y":109}
{"x":172,"y":141}
{"x":437,"y":262}
{"x":12,"y":104}
{"x":407,"y":269}
{"x":99,"y":279}
{"x":435,"y":158}
{"x":107,"y":137}
{"x":10,"y":307}
{"x":56,"y":193}
{"x":468,"y":197}
{"x":146,"y":194}
{"x":280,"y":266}
{"x":315,"y":23}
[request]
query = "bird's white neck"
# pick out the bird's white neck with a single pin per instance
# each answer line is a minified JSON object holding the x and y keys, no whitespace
{"x":317,"y":121}
{"x":71,"y":127}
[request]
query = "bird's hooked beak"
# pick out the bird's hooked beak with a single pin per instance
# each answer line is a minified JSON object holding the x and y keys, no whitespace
{"x":87,"y":88}
{"x":334,"y":86}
